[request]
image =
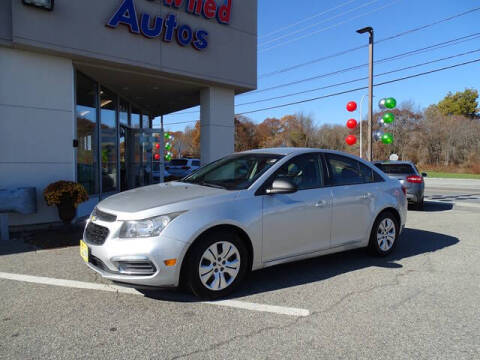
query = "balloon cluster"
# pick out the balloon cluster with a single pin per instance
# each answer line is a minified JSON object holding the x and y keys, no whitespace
{"x":168,"y":146}
{"x":387,"y":118}
{"x":351,"y":124}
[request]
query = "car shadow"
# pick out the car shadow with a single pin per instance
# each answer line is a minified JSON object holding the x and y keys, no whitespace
{"x":412,"y":242}
{"x":433,"y":206}
{"x":53,"y":237}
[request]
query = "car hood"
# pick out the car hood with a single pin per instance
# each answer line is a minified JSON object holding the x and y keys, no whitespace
{"x":153,"y":196}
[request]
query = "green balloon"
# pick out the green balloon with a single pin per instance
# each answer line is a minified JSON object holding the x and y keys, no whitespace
{"x":387,"y":138}
{"x":168,"y":146}
{"x":388,"y":118}
{"x":390,"y":103}
{"x":168,"y":157}
{"x":166,"y":135}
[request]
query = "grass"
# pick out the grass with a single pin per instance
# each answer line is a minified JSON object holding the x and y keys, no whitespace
{"x":447,"y":175}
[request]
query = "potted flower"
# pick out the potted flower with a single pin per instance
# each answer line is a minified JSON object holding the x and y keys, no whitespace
{"x":66,"y":195}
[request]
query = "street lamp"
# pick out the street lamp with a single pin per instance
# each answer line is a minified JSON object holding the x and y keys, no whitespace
{"x":369,"y":30}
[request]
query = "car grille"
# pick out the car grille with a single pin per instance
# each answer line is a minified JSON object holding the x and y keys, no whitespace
{"x":96,"y":234}
{"x":103,"y":216}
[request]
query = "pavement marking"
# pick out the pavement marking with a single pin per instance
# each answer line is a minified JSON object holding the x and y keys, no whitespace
{"x":282,"y":310}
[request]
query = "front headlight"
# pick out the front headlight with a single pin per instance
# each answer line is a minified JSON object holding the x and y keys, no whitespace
{"x":146,"y":228}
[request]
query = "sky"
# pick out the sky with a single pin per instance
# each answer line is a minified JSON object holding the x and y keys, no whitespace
{"x":297,"y":32}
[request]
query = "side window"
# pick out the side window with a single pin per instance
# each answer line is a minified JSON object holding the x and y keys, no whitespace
{"x":305,"y":171}
{"x":195,"y":163}
{"x":367,"y":173}
{"x":377,"y":177}
{"x":346,"y":171}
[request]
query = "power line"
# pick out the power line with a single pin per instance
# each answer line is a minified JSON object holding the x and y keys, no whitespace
{"x":318,"y":23}
{"x":386,"y":59}
{"x":360,"y":79}
{"x":330,"y":27}
{"x":436,"y":46}
{"x":343,"y":52}
{"x":361,"y":88}
{"x":307,"y":19}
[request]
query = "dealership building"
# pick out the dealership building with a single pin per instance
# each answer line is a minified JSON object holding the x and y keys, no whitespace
{"x":81,"y":81}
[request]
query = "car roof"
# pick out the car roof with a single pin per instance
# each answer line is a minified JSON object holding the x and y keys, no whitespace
{"x":291,"y":150}
{"x":394,"y":162}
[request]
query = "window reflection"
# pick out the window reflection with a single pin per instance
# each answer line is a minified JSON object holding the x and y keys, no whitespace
{"x":86,"y":113}
{"x":108,"y":142}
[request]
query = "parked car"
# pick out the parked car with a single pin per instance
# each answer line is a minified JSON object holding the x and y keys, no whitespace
{"x":409,"y":176}
{"x":244,"y":212}
{"x":156,"y":172}
{"x":180,"y":168}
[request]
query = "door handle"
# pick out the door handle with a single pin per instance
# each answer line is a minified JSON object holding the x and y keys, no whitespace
{"x":366,"y":196}
{"x":321,"y":203}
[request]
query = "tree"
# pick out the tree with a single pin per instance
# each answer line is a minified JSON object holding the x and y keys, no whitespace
{"x":463,"y":103}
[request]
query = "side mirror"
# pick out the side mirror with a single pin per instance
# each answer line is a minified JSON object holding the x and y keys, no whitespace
{"x":424,"y":174}
{"x":281,"y":187}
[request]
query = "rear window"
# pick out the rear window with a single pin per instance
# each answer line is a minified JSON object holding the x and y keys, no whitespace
{"x":396,"y":168}
{"x":178,"y":162}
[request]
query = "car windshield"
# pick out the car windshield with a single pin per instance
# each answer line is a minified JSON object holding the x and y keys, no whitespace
{"x":235,"y":172}
{"x":396,"y":168}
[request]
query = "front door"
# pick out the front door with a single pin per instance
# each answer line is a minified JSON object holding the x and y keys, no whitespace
{"x":298,"y":223}
{"x":139,"y":156}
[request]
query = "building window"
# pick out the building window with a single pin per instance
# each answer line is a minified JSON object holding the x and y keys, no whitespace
{"x":108,"y":140}
{"x":135,"y":119}
{"x":86,"y":113}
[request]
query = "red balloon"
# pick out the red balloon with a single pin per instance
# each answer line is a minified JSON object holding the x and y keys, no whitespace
{"x":157,"y":156}
{"x":352,"y":124}
{"x":157,"y":146}
{"x":352,"y":106}
{"x":351,"y":140}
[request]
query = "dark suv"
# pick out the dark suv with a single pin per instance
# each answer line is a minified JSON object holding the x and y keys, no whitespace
{"x":409,"y":176}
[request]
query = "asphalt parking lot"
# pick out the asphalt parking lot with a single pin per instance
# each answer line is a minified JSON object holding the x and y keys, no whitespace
{"x":420,"y":302}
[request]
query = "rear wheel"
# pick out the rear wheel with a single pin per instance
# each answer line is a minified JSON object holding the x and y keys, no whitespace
{"x":384,"y":235}
{"x":217,"y":265}
{"x":419,"y":204}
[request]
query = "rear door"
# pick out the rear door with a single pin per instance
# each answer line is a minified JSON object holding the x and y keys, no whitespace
{"x":298,"y":223}
{"x":353,"y":190}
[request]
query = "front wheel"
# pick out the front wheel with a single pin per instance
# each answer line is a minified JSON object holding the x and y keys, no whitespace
{"x":217,"y":265}
{"x":384,"y":236}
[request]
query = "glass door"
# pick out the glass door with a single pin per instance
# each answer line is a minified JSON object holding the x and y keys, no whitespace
{"x":108,"y":142}
{"x":142,"y":156}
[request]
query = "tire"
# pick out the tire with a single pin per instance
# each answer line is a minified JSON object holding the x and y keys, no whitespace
{"x":383,"y":242}
{"x":419,"y":205}
{"x":211,"y":279}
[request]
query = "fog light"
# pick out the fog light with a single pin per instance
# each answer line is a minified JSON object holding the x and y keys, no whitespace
{"x":170,"y":262}
{"x":44,"y":4}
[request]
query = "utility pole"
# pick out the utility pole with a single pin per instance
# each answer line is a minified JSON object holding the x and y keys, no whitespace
{"x":369,"y":30}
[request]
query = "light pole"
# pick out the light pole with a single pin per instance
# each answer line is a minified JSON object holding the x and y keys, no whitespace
{"x":369,"y":30}
{"x":361,"y":125}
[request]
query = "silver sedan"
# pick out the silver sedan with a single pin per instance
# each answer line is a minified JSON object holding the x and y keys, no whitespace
{"x":244,"y":212}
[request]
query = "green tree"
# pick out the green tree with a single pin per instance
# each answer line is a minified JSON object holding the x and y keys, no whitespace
{"x":462,"y":103}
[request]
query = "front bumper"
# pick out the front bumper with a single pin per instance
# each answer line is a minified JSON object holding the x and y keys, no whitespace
{"x":106,"y":259}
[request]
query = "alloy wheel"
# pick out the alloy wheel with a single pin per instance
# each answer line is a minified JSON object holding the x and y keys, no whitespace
{"x":386,"y":233}
{"x":219,"y":265}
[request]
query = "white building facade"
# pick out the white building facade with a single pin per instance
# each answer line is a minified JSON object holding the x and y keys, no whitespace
{"x":81,"y":82}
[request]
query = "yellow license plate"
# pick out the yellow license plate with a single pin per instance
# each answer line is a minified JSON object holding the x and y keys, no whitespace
{"x":84,"y":251}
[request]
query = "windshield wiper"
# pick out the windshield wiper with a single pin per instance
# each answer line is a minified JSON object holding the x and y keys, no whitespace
{"x":203,"y":183}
